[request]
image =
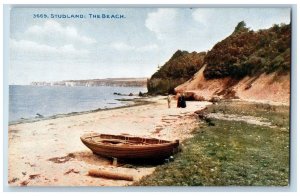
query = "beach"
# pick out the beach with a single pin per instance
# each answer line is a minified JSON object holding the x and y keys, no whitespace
{"x":50,"y":153}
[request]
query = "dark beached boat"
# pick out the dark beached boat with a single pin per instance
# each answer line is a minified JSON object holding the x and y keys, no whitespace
{"x":129,"y":147}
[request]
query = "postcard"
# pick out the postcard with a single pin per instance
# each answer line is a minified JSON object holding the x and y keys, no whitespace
{"x":149,"y":96}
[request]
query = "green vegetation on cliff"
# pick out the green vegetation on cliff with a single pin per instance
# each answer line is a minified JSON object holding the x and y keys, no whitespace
{"x":246,"y":52}
{"x":180,"y":68}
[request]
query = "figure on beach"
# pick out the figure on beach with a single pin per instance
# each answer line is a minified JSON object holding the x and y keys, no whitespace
{"x":181,"y":101}
{"x":169,"y":101}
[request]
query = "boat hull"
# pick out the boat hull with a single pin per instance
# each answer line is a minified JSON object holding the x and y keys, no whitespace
{"x":157,"y":149}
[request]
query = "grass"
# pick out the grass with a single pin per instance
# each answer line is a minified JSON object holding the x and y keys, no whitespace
{"x":277,"y":115}
{"x":231,"y":152}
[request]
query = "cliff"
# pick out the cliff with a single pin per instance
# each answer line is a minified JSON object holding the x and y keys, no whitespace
{"x":248,"y":65}
{"x":178,"y":69}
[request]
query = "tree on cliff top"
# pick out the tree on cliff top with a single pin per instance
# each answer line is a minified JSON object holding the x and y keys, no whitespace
{"x":241,"y":26}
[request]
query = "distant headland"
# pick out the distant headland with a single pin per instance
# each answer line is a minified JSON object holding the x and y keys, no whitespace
{"x":124,"y":82}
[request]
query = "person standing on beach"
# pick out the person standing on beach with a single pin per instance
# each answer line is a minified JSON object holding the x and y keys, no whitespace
{"x":181,"y":101}
{"x":169,"y":101}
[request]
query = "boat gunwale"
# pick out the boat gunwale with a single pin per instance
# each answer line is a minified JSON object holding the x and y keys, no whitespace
{"x":129,"y":146}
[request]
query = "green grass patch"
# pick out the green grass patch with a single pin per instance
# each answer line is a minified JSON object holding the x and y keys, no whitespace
{"x":277,"y":115}
{"x":231,"y":152}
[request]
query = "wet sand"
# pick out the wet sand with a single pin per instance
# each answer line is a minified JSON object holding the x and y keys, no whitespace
{"x":50,"y":153}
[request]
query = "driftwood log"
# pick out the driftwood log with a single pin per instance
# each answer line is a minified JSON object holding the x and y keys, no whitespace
{"x":110,"y":175}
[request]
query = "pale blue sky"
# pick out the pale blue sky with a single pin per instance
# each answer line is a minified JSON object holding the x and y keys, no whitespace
{"x":63,"y":49}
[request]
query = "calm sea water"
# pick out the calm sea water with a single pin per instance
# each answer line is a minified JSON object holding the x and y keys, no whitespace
{"x":26,"y":101}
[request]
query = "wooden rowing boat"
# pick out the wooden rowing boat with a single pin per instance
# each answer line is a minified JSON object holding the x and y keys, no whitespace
{"x":129,"y":147}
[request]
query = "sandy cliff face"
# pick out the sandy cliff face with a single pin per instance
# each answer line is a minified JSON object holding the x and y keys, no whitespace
{"x":250,"y":65}
{"x":265,"y":87}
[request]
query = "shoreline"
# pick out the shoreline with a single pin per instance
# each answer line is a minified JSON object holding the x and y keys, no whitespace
{"x":135,"y":102}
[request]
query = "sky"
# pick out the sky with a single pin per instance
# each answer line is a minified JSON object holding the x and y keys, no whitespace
{"x":54,"y":49}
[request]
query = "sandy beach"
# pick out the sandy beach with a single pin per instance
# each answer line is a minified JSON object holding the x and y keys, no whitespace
{"x":50,"y":153}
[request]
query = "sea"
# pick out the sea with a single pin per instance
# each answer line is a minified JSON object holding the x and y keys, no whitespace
{"x":36,"y":102}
